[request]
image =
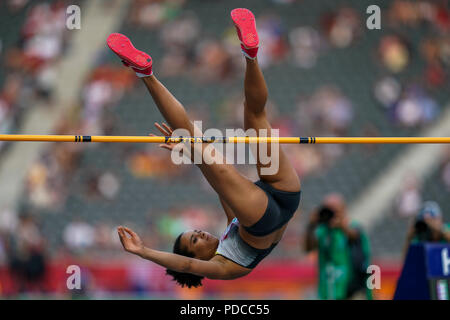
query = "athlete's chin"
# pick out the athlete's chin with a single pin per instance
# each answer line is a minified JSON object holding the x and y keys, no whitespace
{"x":212,"y":240}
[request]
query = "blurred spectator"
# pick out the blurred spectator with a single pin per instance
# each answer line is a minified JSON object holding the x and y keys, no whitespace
{"x":428,"y":226}
{"x":306,"y":161}
{"x":47,"y":179}
{"x":387,"y":91}
{"x":343,"y":250}
{"x":8,"y":220}
{"x":394,"y":53}
{"x":145,"y":278}
{"x":3,"y":255}
{"x":152,"y":163}
{"x":370,"y":130}
{"x":197,"y":217}
{"x":410,"y":106}
{"x":105,"y":236}
{"x":436,"y":52}
{"x":181,"y":33}
{"x":409,"y":199}
{"x":414,"y":13}
{"x":27,"y":257}
{"x":170,"y":225}
{"x":108,"y":185}
{"x":78,"y":236}
{"x":415,"y":108}
{"x":305,"y":44}
{"x":46,"y":185}
{"x":342,"y":27}
{"x":173,"y":63}
{"x":105,"y":86}
{"x":42,"y":43}
{"x":213,"y":61}
{"x":272,"y":35}
{"x":16,"y":5}
{"x":445,"y":169}
{"x":152,"y":13}
{"x":327,"y":112}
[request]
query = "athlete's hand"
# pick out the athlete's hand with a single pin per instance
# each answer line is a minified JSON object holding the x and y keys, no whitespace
{"x":132,"y":243}
{"x":167,"y":132}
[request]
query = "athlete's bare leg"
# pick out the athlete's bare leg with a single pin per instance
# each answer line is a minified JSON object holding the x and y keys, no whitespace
{"x":255,"y":118}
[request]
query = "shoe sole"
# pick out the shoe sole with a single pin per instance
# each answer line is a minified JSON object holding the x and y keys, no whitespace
{"x":123,"y":47}
{"x":244,"y":20}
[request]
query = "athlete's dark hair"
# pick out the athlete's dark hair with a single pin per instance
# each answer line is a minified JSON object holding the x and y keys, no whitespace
{"x":182,"y":278}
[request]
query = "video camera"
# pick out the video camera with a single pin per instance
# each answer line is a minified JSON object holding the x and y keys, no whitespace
{"x":325,"y":215}
{"x":422,"y":230}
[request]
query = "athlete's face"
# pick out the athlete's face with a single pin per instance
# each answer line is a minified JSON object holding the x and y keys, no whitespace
{"x":202,"y":244}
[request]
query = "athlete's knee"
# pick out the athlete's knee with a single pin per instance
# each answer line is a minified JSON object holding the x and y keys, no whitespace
{"x":254,"y":112}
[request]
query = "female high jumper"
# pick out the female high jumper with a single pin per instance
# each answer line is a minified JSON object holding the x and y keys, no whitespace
{"x":257,"y":213}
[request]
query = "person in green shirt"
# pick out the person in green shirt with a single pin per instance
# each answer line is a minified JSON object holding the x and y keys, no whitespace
{"x":428,"y":226}
{"x":343,"y":251}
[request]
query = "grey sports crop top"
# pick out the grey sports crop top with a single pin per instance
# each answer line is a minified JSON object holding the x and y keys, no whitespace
{"x":234,"y":248}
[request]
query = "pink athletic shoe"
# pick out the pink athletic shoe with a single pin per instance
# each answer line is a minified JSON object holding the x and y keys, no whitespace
{"x":139,"y":61}
{"x":245,"y":24}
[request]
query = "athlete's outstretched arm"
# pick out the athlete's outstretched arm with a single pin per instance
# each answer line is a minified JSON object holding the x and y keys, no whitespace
{"x":171,"y":109}
{"x":209,"y":269}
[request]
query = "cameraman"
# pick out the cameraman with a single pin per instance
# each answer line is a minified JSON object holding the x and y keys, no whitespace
{"x":343,"y":250}
{"x":428,"y":226}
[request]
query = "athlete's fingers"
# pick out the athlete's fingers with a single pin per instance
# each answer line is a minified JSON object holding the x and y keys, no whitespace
{"x":121,"y":236}
{"x":131,"y":232}
{"x":169,"y":129}
{"x":161,"y":129}
{"x":125,"y":231}
{"x":166,"y":146}
{"x":122,"y":233}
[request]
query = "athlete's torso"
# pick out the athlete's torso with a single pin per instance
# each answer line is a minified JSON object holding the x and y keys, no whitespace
{"x":264,"y":241}
{"x":235,"y":248}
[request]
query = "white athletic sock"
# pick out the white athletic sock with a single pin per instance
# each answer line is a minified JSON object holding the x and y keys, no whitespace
{"x":143,"y":75}
{"x":247,"y":56}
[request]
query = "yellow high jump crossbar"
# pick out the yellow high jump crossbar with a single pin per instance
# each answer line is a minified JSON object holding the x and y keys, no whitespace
{"x":281,"y":140}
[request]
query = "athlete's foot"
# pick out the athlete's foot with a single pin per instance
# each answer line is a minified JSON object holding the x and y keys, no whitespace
{"x":138,"y":60}
{"x":245,"y":24}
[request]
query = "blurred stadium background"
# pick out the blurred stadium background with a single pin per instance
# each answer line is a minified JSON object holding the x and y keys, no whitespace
{"x":328,"y":75}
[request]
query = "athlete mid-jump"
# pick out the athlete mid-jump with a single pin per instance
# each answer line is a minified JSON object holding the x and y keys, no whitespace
{"x":257,"y":213}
